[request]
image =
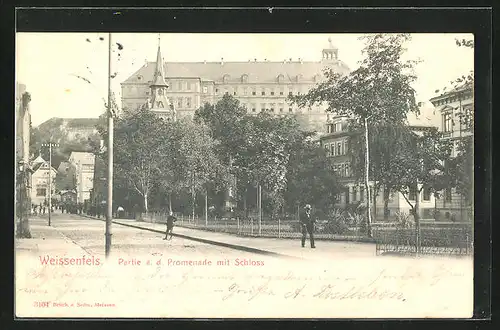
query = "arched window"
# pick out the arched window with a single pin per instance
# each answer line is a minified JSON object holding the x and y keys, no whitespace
{"x":159,"y":104}
{"x":244,"y":78}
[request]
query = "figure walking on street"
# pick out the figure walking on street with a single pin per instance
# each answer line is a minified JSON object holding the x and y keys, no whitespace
{"x":307,"y":224}
{"x":170,"y":225}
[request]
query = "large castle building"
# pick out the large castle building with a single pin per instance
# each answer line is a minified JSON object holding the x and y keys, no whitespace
{"x":258,"y":85}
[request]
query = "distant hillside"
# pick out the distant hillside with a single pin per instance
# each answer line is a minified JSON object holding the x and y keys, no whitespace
{"x":72,"y":134}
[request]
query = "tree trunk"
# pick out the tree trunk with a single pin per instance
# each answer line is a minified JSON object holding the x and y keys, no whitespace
{"x":194,"y":202}
{"x":170,"y":202}
{"x":367,"y":186}
{"x":146,"y":203}
{"x":387,"y":193}
{"x":375,"y":193}
{"x":245,"y":202}
{"x":416,"y":215}
{"x":24,"y":209}
{"x":206,"y":207}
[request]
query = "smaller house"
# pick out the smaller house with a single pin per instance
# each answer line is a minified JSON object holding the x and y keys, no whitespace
{"x":40,"y":180}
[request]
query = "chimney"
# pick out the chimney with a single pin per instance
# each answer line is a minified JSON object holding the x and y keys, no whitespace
{"x":222,"y":61}
{"x":255,"y":60}
{"x":290,"y":59}
{"x":204,"y":61}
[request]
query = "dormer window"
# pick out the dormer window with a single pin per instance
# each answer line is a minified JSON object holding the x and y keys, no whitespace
{"x":139,"y":77}
{"x":244,"y":78}
{"x":281,"y":78}
{"x":225,"y":78}
{"x":299,"y":77}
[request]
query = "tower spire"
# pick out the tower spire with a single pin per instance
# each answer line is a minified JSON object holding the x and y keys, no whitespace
{"x":159,"y":102}
{"x":159,"y":75}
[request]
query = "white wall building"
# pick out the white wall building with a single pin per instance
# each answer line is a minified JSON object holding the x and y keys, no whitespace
{"x":40,"y":181}
{"x":84,"y":174}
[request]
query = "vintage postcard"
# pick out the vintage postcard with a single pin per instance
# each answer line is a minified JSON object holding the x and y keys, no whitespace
{"x":169,"y":175}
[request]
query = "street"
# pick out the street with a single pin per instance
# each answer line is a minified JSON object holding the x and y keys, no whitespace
{"x":62,"y":271}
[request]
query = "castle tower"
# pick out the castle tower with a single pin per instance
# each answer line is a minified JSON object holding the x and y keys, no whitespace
{"x":331,"y":53}
{"x":159,"y":103}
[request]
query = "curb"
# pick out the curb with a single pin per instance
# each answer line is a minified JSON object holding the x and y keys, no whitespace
{"x":203,"y":240}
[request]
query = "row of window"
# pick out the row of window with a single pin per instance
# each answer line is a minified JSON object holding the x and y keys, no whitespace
{"x":183,"y":102}
{"x":337,"y":148}
{"x":254,"y":91}
{"x":343,"y":170}
{"x":335,"y":127}
{"x":464,"y":118}
{"x":270,"y":108}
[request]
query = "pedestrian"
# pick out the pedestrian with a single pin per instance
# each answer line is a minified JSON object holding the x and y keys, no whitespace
{"x":120,"y":211}
{"x":307,"y":224}
{"x":43,"y":209}
{"x":170,"y":225}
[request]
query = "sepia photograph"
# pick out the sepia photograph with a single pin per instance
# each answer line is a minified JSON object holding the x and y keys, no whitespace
{"x":244,"y":175}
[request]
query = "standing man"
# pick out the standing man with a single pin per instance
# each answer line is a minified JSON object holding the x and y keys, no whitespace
{"x":307,"y":223}
{"x":170,"y":225}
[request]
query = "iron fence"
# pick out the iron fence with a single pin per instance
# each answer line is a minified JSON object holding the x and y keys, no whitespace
{"x":454,"y":239}
{"x":438,"y":238}
{"x":251,"y":227}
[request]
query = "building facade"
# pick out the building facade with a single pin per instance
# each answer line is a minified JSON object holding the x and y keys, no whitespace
{"x":338,"y":142}
{"x":83,"y":163}
{"x":40,"y":181}
{"x":456,"y":109}
{"x":258,"y":85}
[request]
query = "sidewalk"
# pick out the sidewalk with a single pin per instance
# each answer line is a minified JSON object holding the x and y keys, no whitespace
{"x":46,"y":240}
{"x":270,"y":246}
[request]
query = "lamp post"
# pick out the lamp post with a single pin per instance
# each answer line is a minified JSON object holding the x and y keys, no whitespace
{"x":109,"y":213}
{"x":50,"y":145}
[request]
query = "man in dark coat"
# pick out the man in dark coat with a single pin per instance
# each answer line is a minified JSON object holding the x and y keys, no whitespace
{"x":307,"y":224}
{"x":170,"y":225}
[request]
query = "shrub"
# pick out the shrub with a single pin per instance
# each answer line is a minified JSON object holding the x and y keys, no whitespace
{"x":404,"y":220}
{"x":337,"y":222}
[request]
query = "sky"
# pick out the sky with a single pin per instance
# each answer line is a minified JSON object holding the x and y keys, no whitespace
{"x":47,"y":63}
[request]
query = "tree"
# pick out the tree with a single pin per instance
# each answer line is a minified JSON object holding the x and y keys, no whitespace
{"x":385,"y":142}
{"x":139,"y":144}
{"x":311,"y":177}
{"x":192,"y":163}
{"x":379,"y":92}
{"x":225,"y":120}
{"x":421,"y":165}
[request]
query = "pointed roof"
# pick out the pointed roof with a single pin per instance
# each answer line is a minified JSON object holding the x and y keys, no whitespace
{"x":38,"y":160}
{"x":159,"y":75}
